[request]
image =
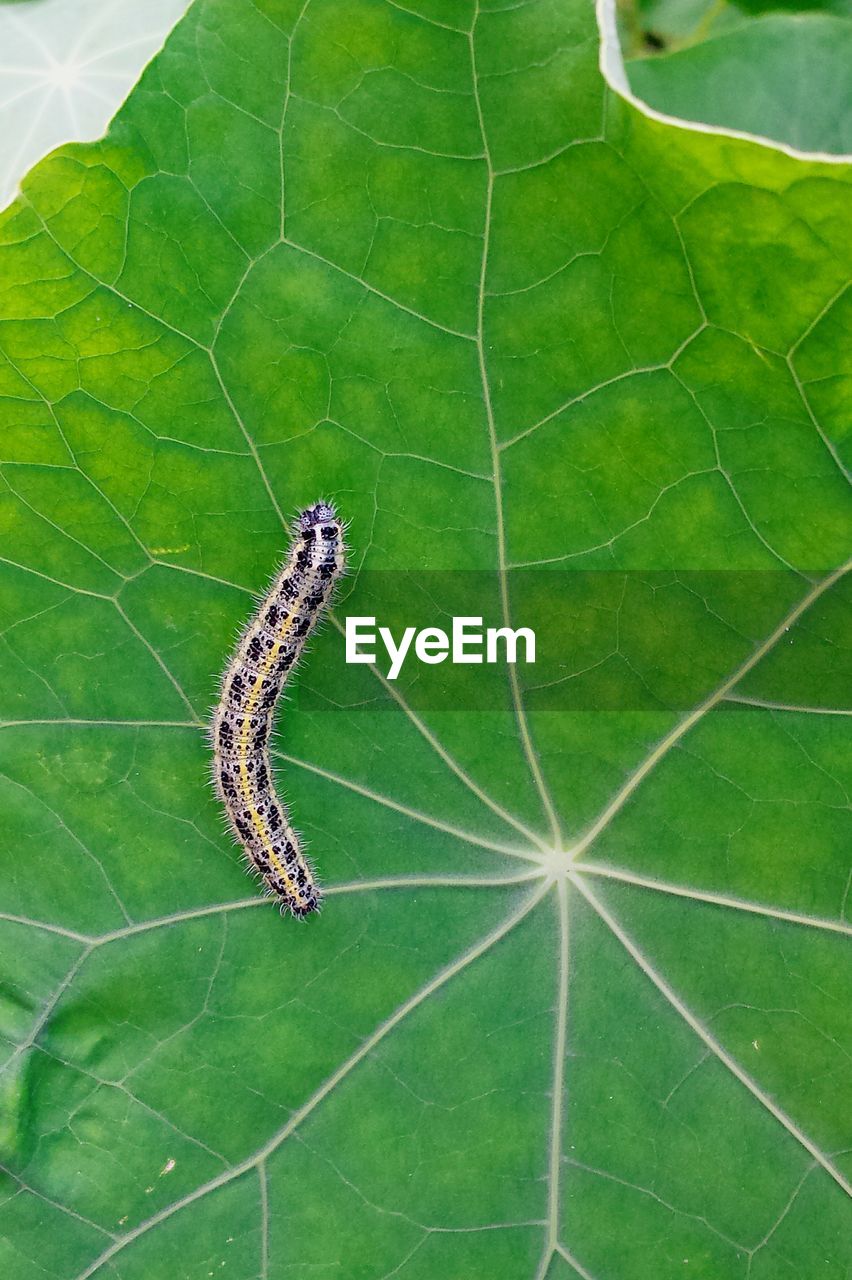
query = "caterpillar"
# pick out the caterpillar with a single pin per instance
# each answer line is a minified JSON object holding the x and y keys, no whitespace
{"x":267,"y":652}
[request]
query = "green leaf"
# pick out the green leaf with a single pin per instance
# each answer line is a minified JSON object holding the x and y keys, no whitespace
{"x":841,"y":7}
{"x":576,"y":1002}
{"x":784,"y":76}
{"x":649,"y":25}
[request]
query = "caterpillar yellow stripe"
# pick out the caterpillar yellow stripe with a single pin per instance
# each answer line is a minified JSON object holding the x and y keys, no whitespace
{"x":267,"y":652}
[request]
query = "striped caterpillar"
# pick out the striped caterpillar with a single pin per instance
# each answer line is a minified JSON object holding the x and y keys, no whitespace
{"x":267,"y":652}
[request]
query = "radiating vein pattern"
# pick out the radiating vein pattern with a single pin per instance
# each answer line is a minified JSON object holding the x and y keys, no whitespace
{"x":578,"y":1003}
{"x":66,"y":69}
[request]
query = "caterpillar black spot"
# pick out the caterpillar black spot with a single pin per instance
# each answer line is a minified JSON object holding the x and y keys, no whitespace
{"x":266,"y":654}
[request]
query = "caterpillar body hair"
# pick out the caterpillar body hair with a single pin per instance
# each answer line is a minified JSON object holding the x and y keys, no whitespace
{"x":267,"y":653}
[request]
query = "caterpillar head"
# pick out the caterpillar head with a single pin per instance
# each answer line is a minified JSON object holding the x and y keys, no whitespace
{"x":319,"y":513}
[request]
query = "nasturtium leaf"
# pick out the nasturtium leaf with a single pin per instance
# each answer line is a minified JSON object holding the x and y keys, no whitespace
{"x":761,"y":77}
{"x":668,"y":25}
{"x":67,"y":64}
{"x":577,"y":1003}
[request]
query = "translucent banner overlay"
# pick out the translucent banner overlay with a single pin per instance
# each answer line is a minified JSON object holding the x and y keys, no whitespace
{"x":604,"y":641}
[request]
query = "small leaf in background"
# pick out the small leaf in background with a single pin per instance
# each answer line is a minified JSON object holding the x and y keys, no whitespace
{"x":785,"y":76}
{"x":66,"y":67}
